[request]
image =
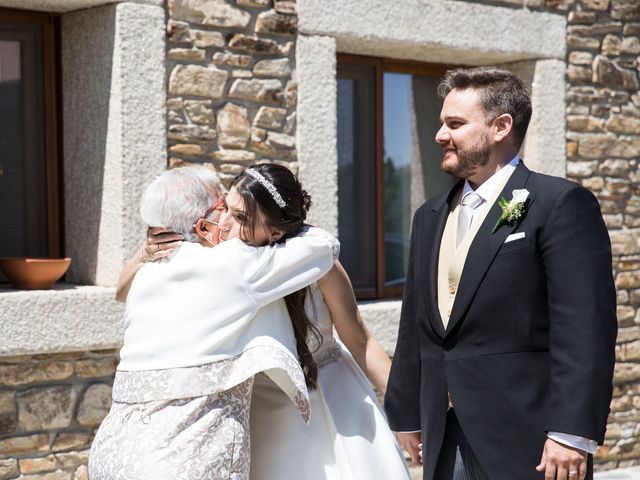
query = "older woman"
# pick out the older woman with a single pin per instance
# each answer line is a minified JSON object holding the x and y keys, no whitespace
{"x":198,"y":326}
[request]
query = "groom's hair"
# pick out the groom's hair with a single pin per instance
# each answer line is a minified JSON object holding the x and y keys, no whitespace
{"x":500,"y":92}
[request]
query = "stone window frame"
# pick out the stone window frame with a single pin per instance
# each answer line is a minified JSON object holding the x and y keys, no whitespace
{"x":421,"y":31}
{"x":114,"y":143}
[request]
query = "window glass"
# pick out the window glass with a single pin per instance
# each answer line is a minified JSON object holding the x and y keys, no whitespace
{"x":23,"y":189}
{"x":411,"y":162}
{"x":356,"y":175}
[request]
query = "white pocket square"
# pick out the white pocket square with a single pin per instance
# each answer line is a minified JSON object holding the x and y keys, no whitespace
{"x":515,"y":236}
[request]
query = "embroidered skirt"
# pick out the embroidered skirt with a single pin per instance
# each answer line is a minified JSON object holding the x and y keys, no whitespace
{"x":204,"y":437}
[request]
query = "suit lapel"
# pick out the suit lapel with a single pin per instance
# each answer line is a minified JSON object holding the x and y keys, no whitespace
{"x":484,"y":248}
{"x":439,"y":212}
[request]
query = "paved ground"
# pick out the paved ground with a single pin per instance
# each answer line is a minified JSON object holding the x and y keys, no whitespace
{"x":622,"y":474}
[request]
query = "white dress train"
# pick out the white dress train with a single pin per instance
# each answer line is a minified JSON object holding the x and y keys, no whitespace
{"x":348,"y":437}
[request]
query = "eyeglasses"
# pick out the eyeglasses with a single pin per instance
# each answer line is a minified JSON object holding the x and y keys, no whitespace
{"x":210,"y":210}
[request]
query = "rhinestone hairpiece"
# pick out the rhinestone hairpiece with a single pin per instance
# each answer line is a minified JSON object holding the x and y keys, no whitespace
{"x":268,"y":185}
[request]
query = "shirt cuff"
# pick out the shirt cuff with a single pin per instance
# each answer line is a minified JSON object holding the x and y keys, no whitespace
{"x":581,"y":443}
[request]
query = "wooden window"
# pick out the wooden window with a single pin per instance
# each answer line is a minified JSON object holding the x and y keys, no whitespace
{"x":29,"y":162}
{"x":388,"y":165}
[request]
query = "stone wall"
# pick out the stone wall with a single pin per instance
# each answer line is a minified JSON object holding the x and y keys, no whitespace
{"x":50,"y":407}
{"x":231,"y":87}
{"x":603,"y":151}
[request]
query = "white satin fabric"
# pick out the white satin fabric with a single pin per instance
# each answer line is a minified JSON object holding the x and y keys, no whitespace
{"x":348,"y":437}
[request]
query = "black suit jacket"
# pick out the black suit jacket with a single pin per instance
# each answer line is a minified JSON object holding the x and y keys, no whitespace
{"x":529,"y":346}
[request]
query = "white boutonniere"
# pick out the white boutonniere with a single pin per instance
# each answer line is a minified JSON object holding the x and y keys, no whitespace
{"x":512,"y":210}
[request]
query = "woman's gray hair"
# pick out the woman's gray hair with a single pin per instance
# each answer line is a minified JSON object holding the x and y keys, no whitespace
{"x":179,"y":197}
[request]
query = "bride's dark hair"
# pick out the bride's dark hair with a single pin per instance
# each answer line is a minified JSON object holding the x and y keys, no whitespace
{"x":258,"y":200}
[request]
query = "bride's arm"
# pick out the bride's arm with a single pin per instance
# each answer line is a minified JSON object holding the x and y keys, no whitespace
{"x":338,"y":294}
{"x":160,"y":243}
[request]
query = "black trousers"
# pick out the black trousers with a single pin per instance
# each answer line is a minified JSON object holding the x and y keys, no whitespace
{"x":456,"y":460}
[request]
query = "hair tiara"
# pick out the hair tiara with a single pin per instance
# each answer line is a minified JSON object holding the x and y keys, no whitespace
{"x":268,"y":185}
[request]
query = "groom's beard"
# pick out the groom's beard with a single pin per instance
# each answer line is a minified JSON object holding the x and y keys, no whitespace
{"x":469,"y":160}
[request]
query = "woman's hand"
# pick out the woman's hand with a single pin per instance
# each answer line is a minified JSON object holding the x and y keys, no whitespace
{"x":160,"y":243}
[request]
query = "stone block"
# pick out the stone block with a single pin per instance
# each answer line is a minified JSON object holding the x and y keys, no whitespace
{"x":625,"y":315}
{"x":285,"y":6}
{"x":72,"y":459}
{"x":290,"y":125}
{"x":274,"y":23}
{"x":257,"y":90}
{"x":269,"y":118}
{"x":291,"y":94}
{"x":30,"y":444}
{"x":231,"y":59}
{"x":189,"y":149}
{"x":600,"y":5}
{"x":584,"y":123}
{"x":72,"y":441}
{"x":186,"y":54}
{"x":214,"y":13}
{"x":272,"y":68}
{"x":611,"y":45}
{"x":623,"y":124}
{"x":233,"y":126}
{"x":253,"y":44}
{"x":241,"y":74}
{"x":582,"y":169}
{"x":595,"y":29}
{"x":606,"y":72}
{"x":631,"y":45}
{"x":613,"y":221}
{"x":178,"y":32}
{"x":232,"y":168}
{"x":207,"y":39}
{"x":580,"y":58}
{"x":8,"y":423}
{"x":45,"y":408}
{"x":21,"y":374}
{"x":96,"y":367}
{"x":577,"y":73}
{"x":577,"y":41}
{"x":81,"y":473}
{"x":616,"y":168}
{"x":94,"y":405}
{"x":234,"y":156}
{"x":281,"y":140}
{"x":200,"y":111}
{"x":625,"y":10}
{"x":594,"y":145}
{"x":617,"y":186}
{"x":626,"y":279}
{"x":594,"y":183}
{"x":7,"y":402}
{"x":581,"y":17}
{"x":631,"y":28}
{"x":191,"y":133}
{"x":178,"y":162}
{"x":626,"y":372}
{"x":631,"y":351}
{"x":197,"y":81}
{"x":254,"y":3}
{"x":38,"y":465}
{"x":9,"y":469}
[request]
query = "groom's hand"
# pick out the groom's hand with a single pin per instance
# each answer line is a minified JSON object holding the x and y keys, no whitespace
{"x":410,"y":441}
{"x":561,"y":462}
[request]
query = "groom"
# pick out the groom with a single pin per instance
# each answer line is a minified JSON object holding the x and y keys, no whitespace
{"x":505,"y":351}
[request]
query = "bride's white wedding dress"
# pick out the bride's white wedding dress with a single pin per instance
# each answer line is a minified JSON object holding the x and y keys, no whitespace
{"x":348,"y":437}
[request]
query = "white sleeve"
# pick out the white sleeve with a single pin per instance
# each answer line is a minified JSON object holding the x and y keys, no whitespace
{"x":273,"y":272}
{"x":581,"y":443}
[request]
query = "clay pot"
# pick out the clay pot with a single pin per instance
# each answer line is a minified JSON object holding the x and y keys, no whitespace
{"x":31,"y":273}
